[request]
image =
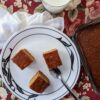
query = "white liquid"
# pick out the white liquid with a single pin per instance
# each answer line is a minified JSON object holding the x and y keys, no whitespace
{"x":57,"y":2}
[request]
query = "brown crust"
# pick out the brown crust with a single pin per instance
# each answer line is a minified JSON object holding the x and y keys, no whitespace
{"x":23,"y":58}
{"x":39,"y":82}
{"x":52,"y":58}
{"x":89,"y":40}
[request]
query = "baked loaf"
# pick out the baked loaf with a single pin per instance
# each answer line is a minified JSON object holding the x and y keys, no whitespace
{"x":89,"y":40}
{"x":23,"y":58}
{"x":52,"y":59}
{"x":39,"y":82}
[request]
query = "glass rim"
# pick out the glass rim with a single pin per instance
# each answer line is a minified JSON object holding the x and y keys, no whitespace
{"x":56,"y":5}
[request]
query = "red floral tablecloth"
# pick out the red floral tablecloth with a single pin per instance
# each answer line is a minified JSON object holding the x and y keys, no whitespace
{"x":84,"y":11}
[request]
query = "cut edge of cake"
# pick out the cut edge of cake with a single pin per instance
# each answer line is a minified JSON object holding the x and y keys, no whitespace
{"x":39,"y":74}
{"x":54,"y":50}
{"x":29,"y":54}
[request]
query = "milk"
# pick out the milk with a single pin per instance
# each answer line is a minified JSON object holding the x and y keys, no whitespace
{"x":55,"y":6}
{"x":57,"y":2}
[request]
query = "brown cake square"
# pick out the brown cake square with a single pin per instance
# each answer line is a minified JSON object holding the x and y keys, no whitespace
{"x":23,"y":58}
{"x":39,"y":82}
{"x":52,"y":58}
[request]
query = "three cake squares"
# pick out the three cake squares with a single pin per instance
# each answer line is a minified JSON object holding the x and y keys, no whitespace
{"x":39,"y":81}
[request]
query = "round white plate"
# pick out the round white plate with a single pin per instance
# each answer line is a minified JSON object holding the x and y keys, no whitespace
{"x":37,"y":40}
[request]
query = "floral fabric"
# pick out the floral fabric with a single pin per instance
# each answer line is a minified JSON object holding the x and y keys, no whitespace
{"x":78,"y":12}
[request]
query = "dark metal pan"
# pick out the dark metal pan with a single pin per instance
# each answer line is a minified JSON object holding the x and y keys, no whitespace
{"x":82,"y":56}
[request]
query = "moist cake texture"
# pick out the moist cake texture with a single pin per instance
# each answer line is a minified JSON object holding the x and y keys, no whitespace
{"x":52,"y":58}
{"x":39,"y":82}
{"x":89,"y":40}
{"x":23,"y":58}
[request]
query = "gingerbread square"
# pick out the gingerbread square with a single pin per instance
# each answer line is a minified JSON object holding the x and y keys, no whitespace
{"x":23,"y":58}
{"x":39,"y":82}
{"x":52,"y":58}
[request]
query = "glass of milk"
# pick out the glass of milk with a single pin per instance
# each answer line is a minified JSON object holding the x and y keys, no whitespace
{"x":55,"y":6}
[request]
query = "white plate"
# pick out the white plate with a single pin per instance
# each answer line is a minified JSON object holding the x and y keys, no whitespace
{"x":38,"y":39}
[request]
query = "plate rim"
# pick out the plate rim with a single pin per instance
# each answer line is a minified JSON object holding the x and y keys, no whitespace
{"x":39,"y":26}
